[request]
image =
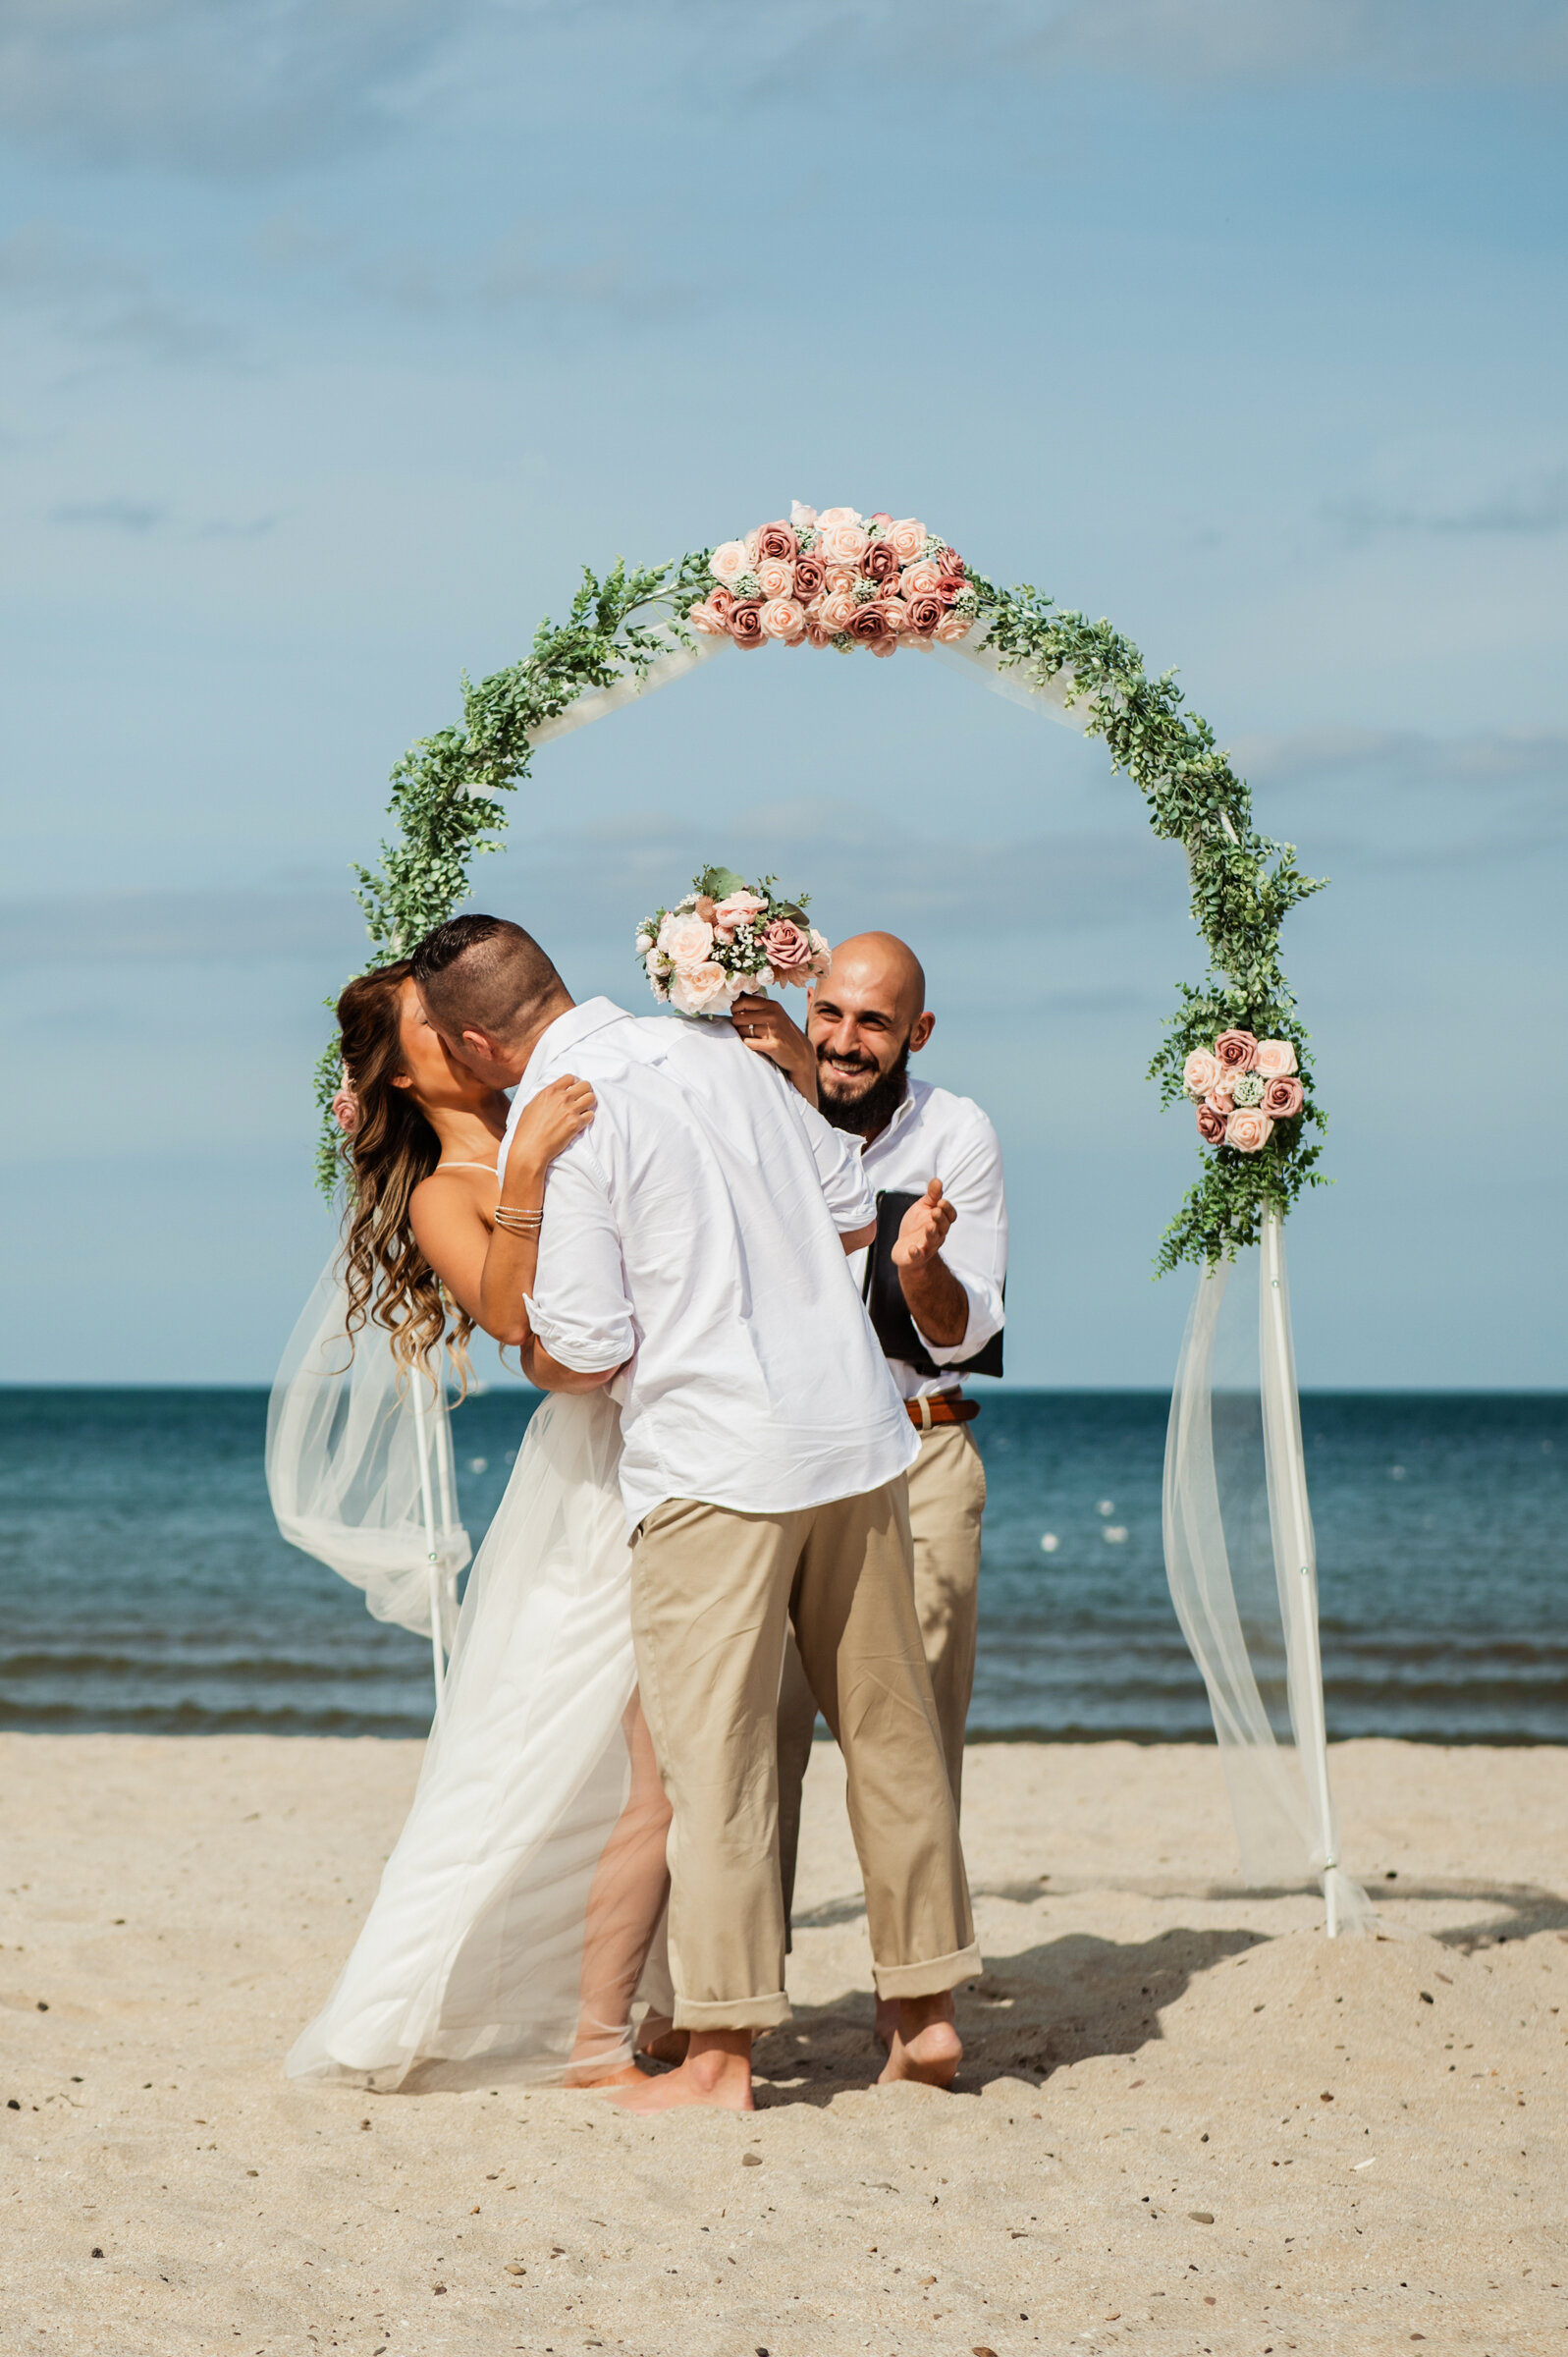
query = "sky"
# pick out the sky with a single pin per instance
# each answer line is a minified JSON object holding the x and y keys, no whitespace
{"x":337,"y":336}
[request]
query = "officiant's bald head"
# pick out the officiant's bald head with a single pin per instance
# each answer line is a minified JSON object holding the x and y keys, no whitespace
{"x":868,"y":1017}
{"x":489,"y":989}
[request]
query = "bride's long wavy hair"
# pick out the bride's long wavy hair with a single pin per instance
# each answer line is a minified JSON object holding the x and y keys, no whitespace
{"x":389,"y":1150}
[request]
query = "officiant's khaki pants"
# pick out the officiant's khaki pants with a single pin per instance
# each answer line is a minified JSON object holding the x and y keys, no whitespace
{"x":946,"y":1506}
{"x":712,"y":1596}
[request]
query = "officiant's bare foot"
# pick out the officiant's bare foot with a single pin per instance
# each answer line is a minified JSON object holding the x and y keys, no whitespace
{"x":662,"y":2042}
{"x":925,"y":2045}
{"x":717,"y":2073}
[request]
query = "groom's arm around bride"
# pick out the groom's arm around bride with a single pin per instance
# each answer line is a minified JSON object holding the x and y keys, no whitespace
{"x":694,"y":1241}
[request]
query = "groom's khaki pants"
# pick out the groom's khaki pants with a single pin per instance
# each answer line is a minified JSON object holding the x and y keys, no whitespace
{"x":712,"y":1596}
{"x":946,"y":1504}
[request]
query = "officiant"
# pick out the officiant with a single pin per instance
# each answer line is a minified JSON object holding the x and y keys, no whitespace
{"x":933,"y":1284}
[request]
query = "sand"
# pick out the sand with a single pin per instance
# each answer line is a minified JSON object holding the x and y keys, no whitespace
{"x":1187,"y":2121}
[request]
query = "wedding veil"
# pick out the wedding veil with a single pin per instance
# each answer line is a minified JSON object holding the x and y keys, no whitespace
{"x":360,"y":1467}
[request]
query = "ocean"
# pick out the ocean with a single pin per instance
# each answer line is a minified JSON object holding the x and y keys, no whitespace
{"x":144,"y":1588}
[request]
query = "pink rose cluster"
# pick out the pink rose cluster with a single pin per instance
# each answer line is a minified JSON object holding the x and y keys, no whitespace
{"x":838,"y":578}
{"x":727,"y":937}
{"x":1242,"y":1086}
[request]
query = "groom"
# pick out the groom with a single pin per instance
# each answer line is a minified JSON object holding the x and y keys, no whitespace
{"x":692,"y":1256}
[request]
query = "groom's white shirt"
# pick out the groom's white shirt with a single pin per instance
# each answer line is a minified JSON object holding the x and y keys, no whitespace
{"x":694,"y":1231}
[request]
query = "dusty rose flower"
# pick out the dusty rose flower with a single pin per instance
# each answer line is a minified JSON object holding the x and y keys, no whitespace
{"x":950,"y":562}
{"x":777,"y":540}
{"x":777,"y":578}
{"x":908,"y":537}
{"x":924,"y":573}
{"x":345,"y":1110}
{"x":745,"y":622}
{"x":685,"y":938}
{"x":728,"y":560}
{"x":1212,"y":1123}
{"x":1283,"y":1098}
{"x":782,"y":619}
{"x":821,"y":952}
{"x":817,"y":632}
{"x":1200,"y":1072}
{"x":706,"y":907}
{"x":949,"y":586}
{"x":787,"y":947}
{"x":699,"y":989}
{"x":1249,"y":1130}
{"x":842,"y":544}
{"x":1238,"y":1051}
{"x":1276,"y":1059}
{"x":925,"y":610}
{"x":880,"y":563}
{"x":803,"y":519}
{"x":811,"y":577}
{"x":838,"y":610}
{"x":830,"y":516}
{"x":868,"y":625}
{"x":710,"y":620}
{"x":953,"y":627}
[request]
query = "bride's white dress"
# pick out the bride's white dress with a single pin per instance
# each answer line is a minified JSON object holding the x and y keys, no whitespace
{"x":471,"y":1962}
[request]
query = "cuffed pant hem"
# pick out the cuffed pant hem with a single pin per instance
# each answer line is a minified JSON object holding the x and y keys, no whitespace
{"x":735,"y":2013}
{"x":924,"y":1980}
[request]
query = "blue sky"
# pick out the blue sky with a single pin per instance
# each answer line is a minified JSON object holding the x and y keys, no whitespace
{"x":334,"y":338}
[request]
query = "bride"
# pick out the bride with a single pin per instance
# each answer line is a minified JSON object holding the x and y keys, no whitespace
{"x":520,"y":1914}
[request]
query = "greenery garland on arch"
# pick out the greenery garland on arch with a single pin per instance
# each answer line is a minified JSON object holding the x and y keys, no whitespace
{"x":447,"y":811}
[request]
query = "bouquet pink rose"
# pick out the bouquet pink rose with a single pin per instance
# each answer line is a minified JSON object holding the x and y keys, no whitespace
{"x":1283,"y":1099}
{"x":725,"y":937}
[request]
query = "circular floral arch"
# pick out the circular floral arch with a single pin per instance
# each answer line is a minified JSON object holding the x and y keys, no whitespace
{"x":883,"y":585}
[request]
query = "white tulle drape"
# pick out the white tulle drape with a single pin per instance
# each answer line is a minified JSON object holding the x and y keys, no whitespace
{"x":360,"y":1468}
{"x":1242,"y":1567}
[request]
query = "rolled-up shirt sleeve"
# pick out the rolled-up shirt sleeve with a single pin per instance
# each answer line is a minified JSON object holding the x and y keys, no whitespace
{"x":844,"y":1184}
{"x":579,"y":1308}
{"x":976,"y":1249}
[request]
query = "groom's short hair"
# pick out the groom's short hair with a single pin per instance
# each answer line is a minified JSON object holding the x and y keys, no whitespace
{"x":484,"y":973}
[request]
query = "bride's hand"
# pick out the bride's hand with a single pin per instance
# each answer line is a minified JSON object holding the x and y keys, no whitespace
{"x":545,"y":1127}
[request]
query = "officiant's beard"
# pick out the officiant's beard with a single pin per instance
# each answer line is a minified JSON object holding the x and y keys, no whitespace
{"x":869,"y":1113}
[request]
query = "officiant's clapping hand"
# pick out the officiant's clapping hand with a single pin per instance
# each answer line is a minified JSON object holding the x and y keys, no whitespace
{"x":923,"y":1229}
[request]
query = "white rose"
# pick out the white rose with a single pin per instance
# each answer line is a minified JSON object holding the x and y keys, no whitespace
{"x":728,"y":560}
{"x":703,"y":989}
{"x":1276,"y":1059}
{"x":684,"y":939}
{"x":803,"y":519}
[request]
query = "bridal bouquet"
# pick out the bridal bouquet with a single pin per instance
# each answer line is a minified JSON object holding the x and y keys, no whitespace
{"x":1241,"y":1087}
{"x":727,"y":937}
{"x":838,"y":578}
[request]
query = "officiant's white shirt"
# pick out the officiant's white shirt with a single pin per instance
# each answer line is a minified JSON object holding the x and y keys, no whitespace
{"x":935,"y":1134}
{"x":694,"y":1231}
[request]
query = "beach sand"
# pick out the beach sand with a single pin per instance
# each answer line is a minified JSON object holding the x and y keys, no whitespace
{"x":1187,"y":2121}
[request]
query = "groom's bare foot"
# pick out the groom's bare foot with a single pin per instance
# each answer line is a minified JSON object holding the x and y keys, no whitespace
{"x":717,"y":2073}
{"x":925,"y":2045}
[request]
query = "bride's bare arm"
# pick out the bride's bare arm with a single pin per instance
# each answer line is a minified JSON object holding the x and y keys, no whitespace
{"x":488,"y":1269}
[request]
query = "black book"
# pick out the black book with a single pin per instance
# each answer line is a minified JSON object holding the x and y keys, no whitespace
{"x":889,"y":1311}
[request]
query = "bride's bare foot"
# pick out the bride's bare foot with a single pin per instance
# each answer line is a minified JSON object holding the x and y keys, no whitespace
{"x":715,"y":2074}
{"x":590,"y":2078}
{"x":925,"y":2046}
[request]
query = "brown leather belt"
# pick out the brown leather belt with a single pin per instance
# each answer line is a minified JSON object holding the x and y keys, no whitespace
{"x":941,"y":1408}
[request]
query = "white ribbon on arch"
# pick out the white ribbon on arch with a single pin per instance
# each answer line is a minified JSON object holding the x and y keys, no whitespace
{"x":1239,"y":1549}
